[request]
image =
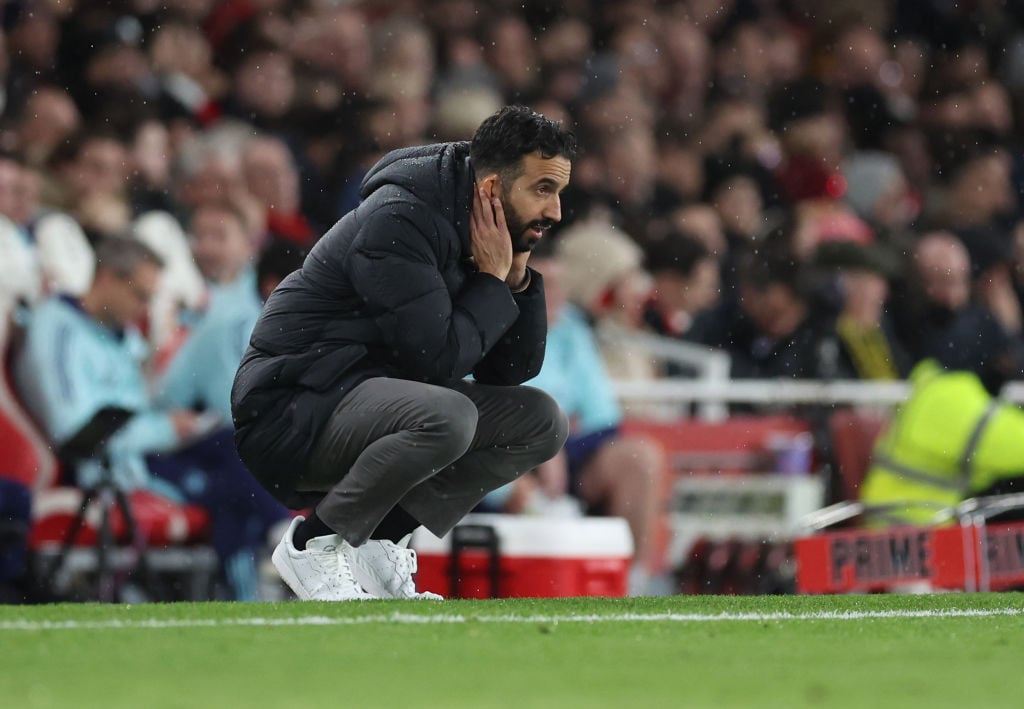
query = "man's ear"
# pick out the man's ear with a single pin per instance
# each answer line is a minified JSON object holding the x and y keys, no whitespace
{"x":491,"y":185}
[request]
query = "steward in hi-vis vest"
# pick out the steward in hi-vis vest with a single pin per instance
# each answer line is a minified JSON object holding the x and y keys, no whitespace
{"x":949,"y":441}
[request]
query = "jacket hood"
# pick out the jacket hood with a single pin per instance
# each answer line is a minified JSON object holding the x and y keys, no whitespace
{"x":439,"y":175}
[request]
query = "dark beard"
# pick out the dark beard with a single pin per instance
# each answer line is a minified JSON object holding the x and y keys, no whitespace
{"x":517,"y":228}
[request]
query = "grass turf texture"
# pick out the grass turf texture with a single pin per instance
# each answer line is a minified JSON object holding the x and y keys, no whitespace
{"x":520,"y":653}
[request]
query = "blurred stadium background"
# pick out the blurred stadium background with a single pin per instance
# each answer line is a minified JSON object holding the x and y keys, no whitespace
{"x":781,"y":208}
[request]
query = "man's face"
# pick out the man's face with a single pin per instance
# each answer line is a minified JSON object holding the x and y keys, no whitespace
{"x":945,"y":270}
{"x":532,"y":203}
{"x":101,"y":168}
{"x":125,"y":299}
{"x":220,"y":245}
{"x":774,"y":309}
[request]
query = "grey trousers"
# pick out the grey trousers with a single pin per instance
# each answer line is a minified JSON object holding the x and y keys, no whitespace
{"x":434,"y":450}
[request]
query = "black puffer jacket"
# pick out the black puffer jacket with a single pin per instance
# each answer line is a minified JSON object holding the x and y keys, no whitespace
{"x":388,"y":291}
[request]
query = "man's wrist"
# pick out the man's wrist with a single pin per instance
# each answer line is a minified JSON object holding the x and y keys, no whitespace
{"x":519,"y":282}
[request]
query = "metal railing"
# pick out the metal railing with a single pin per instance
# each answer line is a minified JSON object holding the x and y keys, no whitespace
{"x":711,"y":397}
{"x":711,"y":391}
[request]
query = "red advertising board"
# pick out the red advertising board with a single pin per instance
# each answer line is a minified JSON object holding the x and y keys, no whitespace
{"x":965,"y":558}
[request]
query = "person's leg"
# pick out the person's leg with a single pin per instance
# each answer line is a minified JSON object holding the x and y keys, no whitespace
{"x":623,"y":477}
{"x":16,"y":520}
{"x":393,"y":456}
{"x":386,"y":437}
{"x":518,"y":428}
{"x":210,"y":474}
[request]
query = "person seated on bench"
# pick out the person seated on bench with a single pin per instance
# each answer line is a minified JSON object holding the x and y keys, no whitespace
{"x":82,"y":355}
{"x":609,"y":471}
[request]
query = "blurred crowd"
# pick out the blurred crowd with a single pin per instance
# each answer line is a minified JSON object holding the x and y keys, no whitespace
{"x":822,"y":190}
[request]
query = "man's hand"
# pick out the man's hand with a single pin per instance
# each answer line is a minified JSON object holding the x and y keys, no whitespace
{"x":189,"y":425}
{"x":489,"y":237}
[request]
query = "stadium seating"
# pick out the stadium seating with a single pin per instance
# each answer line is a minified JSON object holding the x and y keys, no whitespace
{"x":712,"y":541}
{"x":853,"y":434}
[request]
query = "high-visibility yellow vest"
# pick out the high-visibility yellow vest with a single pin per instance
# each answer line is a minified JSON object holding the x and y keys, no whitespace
{"x":948,"y":441}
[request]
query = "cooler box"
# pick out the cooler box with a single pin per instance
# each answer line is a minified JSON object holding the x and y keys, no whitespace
{"x":538,"y":557}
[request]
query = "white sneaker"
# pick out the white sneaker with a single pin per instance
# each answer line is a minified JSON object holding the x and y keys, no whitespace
{"x":385,"y":569}
{"x":321,"y":572}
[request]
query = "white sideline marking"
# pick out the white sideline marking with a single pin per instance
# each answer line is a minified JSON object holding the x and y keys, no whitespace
{"x":442,"y":619}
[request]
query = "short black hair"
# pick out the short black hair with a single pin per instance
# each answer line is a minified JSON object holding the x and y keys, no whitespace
{"x":506,"y":136}
{"x":278,"y":259}
{"x":774,"y":262}
{"x":676,"y":252}
{"x":121,"y":254}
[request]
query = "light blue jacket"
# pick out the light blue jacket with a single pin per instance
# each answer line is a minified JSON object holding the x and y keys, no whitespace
{"x":70,"y":367}
{"x":575,"y":376}
{"x":242,"y":288}
{"x":202,"y":370}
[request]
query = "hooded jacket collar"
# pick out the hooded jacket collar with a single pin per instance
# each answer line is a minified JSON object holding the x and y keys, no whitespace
{"x":439,"y":174}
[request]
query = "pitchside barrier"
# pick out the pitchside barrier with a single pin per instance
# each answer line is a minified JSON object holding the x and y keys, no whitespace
{"x":962,"y":558}
{"x":732,"y":488}
{"x":974,"y":553}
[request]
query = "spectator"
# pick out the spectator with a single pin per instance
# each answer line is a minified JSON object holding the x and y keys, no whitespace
{"x":868,"y":345}
{"x":404,"y":59}
{"x":92,"y":172}
{"x":976,"y":192}
{"x":209,"y":166}
{"x":61,"y":258}
{"x":940,"y":320}
{"x":82,"y":355}
{"x":877,"y":190}
{"x":200,"y":373}
{"x":45,"y":120}
{"x":33,"y":35}
{"x":773,"y":330}
{"x":223,"y":250}
{"x":337,"y":41}
{"x":508,"y":49}
{"x":271,"y":176}
{"x":150,"y":156}
{"x":686,"y":283}
{"x":604,"y":277}
{"x":262,"y":88}
{"x":733,"y":188}
{"x":20,"y":277}
{"x":182,"y":61}
{"x":610,"y":471}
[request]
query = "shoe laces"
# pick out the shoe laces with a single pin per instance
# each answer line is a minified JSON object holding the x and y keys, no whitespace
{"x":344,"y":569}
{"x":338,"y":567}
{"x":405,"y":565}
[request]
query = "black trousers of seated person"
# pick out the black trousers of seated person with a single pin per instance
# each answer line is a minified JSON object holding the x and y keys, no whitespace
{"x":433,"y":450}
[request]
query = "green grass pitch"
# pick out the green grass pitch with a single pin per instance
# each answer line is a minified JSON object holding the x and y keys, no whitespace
{"x":955,"y":650}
